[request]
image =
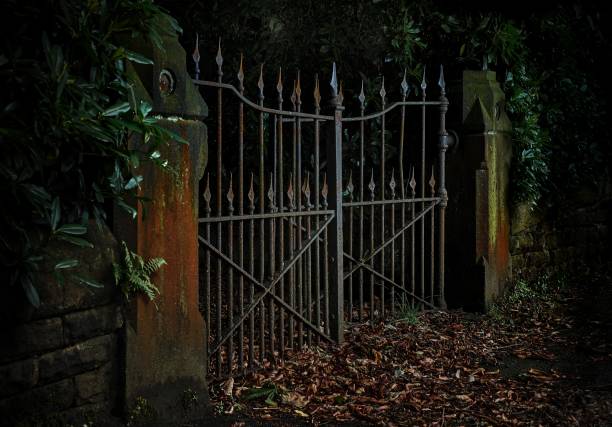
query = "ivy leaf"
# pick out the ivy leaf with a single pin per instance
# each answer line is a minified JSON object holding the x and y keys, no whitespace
{"x":75,"y":240}
{"x":55,"y":213}
{"x":67,"y":263}
{"x":88,"y":282}
{"x":138,"y":58}
{"x":115,"y":110}
{"x":75,"y":229}
{"x":31,"y":292}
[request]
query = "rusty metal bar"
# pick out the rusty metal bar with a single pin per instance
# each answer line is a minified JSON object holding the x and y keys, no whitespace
{"x":404,"y":89}
{"x":326,"y":263}
{"x":317,"y":198}
{"x":308,"y":266}
{"x":251,"y":197}
{"x":207,"y":288}
{"x":262,"y":226}
{"x":423,"y":141}
{"x":230,"y":250}
{"x":432,"y":272}
{"x":241,"y":212}
{"x":442,"y":190}
{"x":219,"y":60}
{"x":412,"y":184}
{"x":372,"y":187}
{"x":281,"y":204}
{"x":297,"y":102}
{"x":272,"y":266}
{"x":361,"y":195}
{"x":334,"y":169}
{"x":349,"y":190}
{"x":392,"y":187}
{"x":290,"y":199}
{"x":383,"y":94}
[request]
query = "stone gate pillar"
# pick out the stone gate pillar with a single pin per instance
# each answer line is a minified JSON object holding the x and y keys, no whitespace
{"x":165,"y":341}
{"x":478,"y":252}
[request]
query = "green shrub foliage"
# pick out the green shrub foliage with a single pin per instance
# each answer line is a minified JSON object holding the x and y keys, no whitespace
{"x":66,"y":115}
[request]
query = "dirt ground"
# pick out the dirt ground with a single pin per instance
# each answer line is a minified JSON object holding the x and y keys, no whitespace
{"x":543,"y":356}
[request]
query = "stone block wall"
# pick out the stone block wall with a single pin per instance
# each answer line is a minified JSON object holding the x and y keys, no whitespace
{"x":58,"y":364}
{"x":569,"y":238}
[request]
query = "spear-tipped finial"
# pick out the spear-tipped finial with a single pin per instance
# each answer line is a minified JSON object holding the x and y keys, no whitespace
{"x":432,"y":181}
{"x":412,"y":182}
{"x":372,"y":185}
{"x":334,"y":81}
{"x":349,"y":186}
{"x":207,"y":194}
{"x":260,"y":83}
{"x":362,"y":96}
{"x":298,"y":89}
{"x":340,"y":97}
{"x":279,"y":83}
{"x":383,"y":92}
{"x":392,"y":184}
{"x":271,"y":193}
{"x":324,"y":190}
{"x":290,"y":193}
{"x":306,"y":190}
{"x":251,"y":196}
{"x":293,"y":96}
{"x":219,"y":60}
{"x":196,"y":57}
{"x":405,"y":87}
{"x":241,"y":74}
{"x":424,"y":82}
{"x":441,"y":81}
{"x":317,"y":93}
{"x":230,"y":195}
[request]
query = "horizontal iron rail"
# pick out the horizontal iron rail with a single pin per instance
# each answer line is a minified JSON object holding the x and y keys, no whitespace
{"x":264,"y":216}
{"x":268,"y":287}
{"x":260,"y":107}
{"x":389,"y":108}
{"x":395,"y":236}
{"x":391,"y":201}
{"x":385,"y":278}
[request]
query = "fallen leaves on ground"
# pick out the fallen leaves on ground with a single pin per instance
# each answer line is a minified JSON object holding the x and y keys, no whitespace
{"x":450,"y":368}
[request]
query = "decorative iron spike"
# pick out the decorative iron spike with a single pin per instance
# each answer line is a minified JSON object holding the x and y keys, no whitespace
{"x":317,"y":93}
{"x":196,"y":57}
{"x":219,"y":60}
{"x":279,"y":83}
{"x":290,"y":194}
{"x":298,"y":89}
{"x":412,"y":182}
{"x":251,"y":196}
{"x":372,"y":185}
{"x":432,"y":181}
{"x":230,"y":195}
{"x":324,"y":190}
{"x":207,"y":194}
{"x":362,"y":97}
{"x":441,"y":81}
{"x":383,"y":92}
{"x":293,"y":97}
{"x":424,"y":82}
{"x":334,"y":81}
{"x":271,"y":193}
{"x":306,"y":190}
{"x":405,"y":87}
{"x":241,"y":74}
{"x":260,"y":83}
{"x":340,"y":97}
{"x":349,"y":186}
{"x":392,"y":184}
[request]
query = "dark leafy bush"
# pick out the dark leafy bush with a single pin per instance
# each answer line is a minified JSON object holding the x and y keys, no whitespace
{"x":66,"y":116}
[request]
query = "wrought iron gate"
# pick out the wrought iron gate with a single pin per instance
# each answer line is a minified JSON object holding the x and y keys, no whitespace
{"x":292,"y":247}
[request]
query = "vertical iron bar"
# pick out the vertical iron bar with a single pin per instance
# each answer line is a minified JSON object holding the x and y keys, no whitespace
{"x":361,"y":196}
{"x":372,"y":187}
{"x":317,"y":198}
{"x":251,"y":197}
{"x":326,"y":262}
{"x":207,"y":288}
{"x":442,"y":190}
{"x":349,"y":190}
{"x":405,"y":88}
{"x":272,"y":257}
{"x":392,"y":291}
{"x":308,"y":263}
{"x":382,"y":197}
{"x":241,"y":212}
{"x":262,"y":227}
{"x":300,"y":208}
{"x":334,"y":169}
{"x":422,"y":221}
{"x":219,"y":60}
{"x":432,"y":271}
{"x":412,"y":238}
{"x":290,"y":199}
{"x":281,"y":207}
{"x":230,"y":253}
